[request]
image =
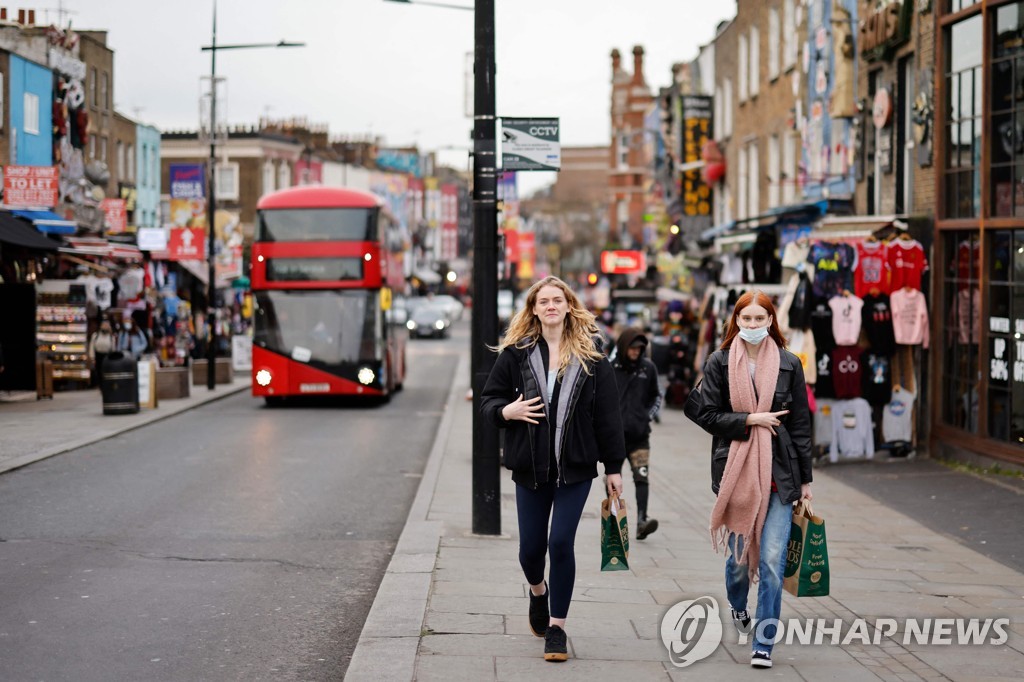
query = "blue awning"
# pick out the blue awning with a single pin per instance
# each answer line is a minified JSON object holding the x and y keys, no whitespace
{"x":47,"y":221}
{"x":812,"y":210}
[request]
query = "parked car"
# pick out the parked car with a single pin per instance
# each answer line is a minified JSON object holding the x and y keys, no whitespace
{"x":452,"y":305}
{"x":429,"y":320}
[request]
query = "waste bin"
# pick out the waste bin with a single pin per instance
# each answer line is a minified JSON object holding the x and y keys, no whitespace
{"x":119,"y":384}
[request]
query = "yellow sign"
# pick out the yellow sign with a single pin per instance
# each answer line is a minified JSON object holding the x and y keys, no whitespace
{"x":385,"y":298}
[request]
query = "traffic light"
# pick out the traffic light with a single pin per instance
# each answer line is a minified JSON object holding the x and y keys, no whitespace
{"x":592,"y":279}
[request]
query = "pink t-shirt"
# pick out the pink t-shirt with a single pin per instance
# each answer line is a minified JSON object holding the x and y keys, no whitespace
{"x":909,"y":317}
{"x":846,"y":319}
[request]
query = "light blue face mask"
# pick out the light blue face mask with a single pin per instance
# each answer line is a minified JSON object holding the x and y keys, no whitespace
{"x":754,"y":336}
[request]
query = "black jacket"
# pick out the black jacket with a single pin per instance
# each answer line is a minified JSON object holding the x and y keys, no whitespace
{"x":639,"y":392}
{"x":591,"y":427}
{"x":791,"y":448}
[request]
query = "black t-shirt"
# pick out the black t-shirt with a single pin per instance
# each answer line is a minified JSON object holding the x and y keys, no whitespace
{"x":821,"y":327}
{"x":876,"y":318}
{"x":824,"y":386}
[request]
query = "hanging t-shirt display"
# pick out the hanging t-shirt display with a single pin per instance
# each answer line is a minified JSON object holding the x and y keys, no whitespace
{"x":821,"y":327}
{"x":846,"y":371}
{"x":833,"y":268}
{"x":909,"y":317}
{"x":824,"y":386}
{"x":852,"y":432}
{"x":872,"y":273}
{"x":897,"y":417}
{"x":823,"y":422}
{"x":877,"y":378}
{"x":877,"y":322}
{"x":795,"y":253}
{"x":846,"y":319}
{"x":907,"y":262}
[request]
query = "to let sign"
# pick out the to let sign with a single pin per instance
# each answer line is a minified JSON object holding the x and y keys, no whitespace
{"x":30,"y":186}
{"x":115,"y":212}
{"x":186,"y":243}
{"x":623,"y":262}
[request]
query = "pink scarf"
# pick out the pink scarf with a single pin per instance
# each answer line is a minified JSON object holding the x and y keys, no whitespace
{"x":745,"y":489}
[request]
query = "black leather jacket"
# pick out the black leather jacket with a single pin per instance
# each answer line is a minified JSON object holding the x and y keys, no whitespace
{"x":591,"y":428}
{"x":791,"y":448}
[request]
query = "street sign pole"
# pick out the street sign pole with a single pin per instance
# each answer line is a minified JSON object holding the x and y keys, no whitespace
{"x":486,"y":464}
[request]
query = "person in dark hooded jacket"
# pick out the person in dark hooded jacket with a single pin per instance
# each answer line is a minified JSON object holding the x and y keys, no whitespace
{"x":639,"y":401}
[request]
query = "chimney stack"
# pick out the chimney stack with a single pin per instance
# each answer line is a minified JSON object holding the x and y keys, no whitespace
{"x":638,"y":65}
{"x":616,"y":61}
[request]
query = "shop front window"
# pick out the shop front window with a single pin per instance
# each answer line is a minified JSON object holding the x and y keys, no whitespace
{"x":1005,"y":322}
{"x":957,"y":5}
{"x":963,"y":130}
{"x":961,"y":332}
{"x":1006,"y":97}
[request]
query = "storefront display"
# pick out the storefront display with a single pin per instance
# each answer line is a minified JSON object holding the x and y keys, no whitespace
{"x":62,"y":330}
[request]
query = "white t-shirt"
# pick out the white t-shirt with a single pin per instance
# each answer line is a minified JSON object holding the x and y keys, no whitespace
{"x":897,"y":416}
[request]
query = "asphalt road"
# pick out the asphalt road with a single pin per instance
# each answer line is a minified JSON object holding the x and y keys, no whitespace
{"x":231,"y":542}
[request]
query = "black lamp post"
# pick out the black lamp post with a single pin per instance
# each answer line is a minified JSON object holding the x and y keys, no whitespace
{"x":486,"y":464}
{"x":211,"y":291}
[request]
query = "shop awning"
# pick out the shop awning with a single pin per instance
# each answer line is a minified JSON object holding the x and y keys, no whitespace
{"x":811,"y":210}
{"x":47,"y":221}
{"x":199,"y":269}
{"x":100,"y":248}
{"x":426,"y":276}
{"x":19,"y":233}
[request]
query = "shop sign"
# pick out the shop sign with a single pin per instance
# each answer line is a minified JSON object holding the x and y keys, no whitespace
{"x":623,"y":262}
{"x":188,"y":181}
{"x":999,"y":363}
{"x":696,"y":192}
{"x":116,"y":215}
{"x":187,"y":243}
{"x":30,"y":186}
{"x":151,"y":239}
{"x":530,"y":144}
{"x":884,"y":29}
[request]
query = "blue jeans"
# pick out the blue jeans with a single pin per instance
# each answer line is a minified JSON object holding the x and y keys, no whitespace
{"x":562,"y":507}
{"x":771,"y":570}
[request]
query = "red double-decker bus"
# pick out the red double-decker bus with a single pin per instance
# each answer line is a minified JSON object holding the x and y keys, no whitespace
{"x":326,"y":268}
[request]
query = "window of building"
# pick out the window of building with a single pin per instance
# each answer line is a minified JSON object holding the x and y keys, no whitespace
{"x":623,"y":151}
{"x":741,"y":62}
{"x":774,"y":169}
{"x":284,"y":175}
{"x":103,"y":149}
{"x":957,"y":5}
{"x":719,"y":122}
{"x":963,"y":87}
{"x":227,"y":181}
{"x":121,"y":167}
{"x":773,"y":43}
{"x":754,"y":169}
{"x":741,"y":185}
{"x":727,"y":109}
{"x":131,"y":162}
{"x":961,"y":330}
{"x":755,"y":61}
{"x":905,"y":136}
{"x":92,"y":86}
{"x":31,"y":115}
{"x":790,"y":36}
{"x":789,"y":180}
{"x":1006,"y":95}
{"x":268,"y":176}
{"x":622,"y":215}
{"x":92,"y":146}
{"x":105,"y":90}
{"x":145,"y":165}
{"x":1005,"y":327}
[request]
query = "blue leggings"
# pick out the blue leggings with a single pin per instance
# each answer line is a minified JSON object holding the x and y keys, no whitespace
{"x":535,"y":510}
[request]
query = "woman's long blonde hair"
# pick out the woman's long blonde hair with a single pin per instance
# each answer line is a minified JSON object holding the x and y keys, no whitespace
{"x":577,"y":335}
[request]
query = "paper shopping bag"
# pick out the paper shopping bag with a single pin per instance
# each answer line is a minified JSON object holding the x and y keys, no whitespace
{"x":807,"y":554}
{"x":614,"y":535}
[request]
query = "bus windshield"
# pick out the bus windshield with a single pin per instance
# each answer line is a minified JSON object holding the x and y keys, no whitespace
{"x":323,"y":328}
{"x":317,"y":224}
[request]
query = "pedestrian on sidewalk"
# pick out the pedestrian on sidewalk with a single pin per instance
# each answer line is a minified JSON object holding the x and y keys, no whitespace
{"x":639,"y":401}
{"x":754,"y":403}
{"x":132,"y":339}
{"x":101,"y":343}
{"x":553,"y":392}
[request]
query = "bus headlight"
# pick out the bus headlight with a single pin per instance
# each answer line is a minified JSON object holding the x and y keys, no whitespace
{"x":365,"y":376}
{"x":410,"y":325}
{"x":263,"y":377}
{"x":439,"y":325}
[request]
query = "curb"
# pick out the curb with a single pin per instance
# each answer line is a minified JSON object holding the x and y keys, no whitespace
{"x":390,"y":639}
{"x":155,"y":416}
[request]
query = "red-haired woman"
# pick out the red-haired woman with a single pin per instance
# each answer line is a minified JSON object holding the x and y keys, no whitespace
{"x":754,"y":403}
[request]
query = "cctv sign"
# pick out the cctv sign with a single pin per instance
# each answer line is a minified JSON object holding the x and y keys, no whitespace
{"x":530,"y":144}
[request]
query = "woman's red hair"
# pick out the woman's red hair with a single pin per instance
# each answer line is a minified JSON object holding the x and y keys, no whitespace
{"x":749,"y":298}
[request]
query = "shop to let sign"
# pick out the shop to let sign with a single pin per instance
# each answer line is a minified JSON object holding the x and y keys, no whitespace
{"x":115,"y":211}
{"x":30,"y":186}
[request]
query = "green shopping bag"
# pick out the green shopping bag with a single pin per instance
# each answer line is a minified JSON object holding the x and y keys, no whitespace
{"x":807,"y":555}
{"x":614,"y":535}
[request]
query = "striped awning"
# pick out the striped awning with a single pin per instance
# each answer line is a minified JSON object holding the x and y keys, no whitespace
{"x":100,"y":248}
{"x":47,"y":221}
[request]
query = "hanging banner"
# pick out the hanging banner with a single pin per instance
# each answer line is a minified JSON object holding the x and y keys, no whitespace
{"x":188,"y":195}
{"x":530,"y":144}
{"x":187,"y":243}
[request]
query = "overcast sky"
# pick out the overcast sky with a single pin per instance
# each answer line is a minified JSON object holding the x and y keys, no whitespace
{"x":389,"y":69}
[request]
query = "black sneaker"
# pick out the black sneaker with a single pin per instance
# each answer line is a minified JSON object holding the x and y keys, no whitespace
{"x":555,"y":648}
{"x":741,"y":619}
{"x":761,"y":659}
{"x":645,"y":528}
{"x":539,"y":615}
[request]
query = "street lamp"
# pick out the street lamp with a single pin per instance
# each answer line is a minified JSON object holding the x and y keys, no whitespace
{"x":211,"y":291}
{"x":486,"y":463}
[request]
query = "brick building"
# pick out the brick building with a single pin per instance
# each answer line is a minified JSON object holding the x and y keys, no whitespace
{"x":629,"y":156}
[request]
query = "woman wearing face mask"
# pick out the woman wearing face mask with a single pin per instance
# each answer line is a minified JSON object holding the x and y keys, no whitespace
{"x":132,"y":339}
{"x":754,"y":404}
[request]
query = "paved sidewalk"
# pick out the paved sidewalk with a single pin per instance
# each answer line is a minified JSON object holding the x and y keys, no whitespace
{"x":31,"y":430}
{"x":453,"y":606}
